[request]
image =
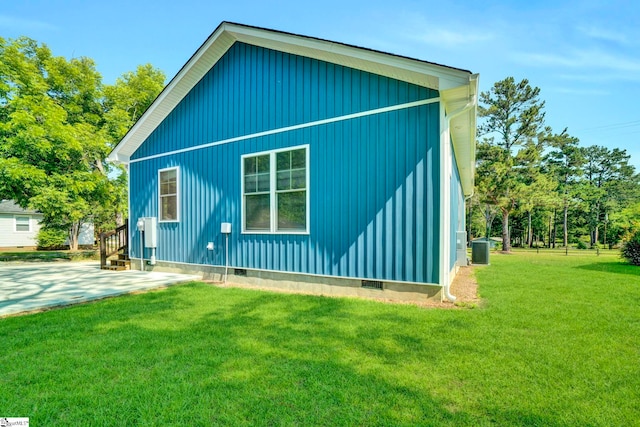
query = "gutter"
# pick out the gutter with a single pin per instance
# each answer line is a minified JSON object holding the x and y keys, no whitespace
{"x":470,"y":104}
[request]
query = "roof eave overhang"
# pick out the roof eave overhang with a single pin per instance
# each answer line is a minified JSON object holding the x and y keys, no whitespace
{"x":433,"y":76}
{"x":462,"y":128}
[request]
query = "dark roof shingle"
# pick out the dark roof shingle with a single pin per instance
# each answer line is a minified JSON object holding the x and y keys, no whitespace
{"x":9,"y":206}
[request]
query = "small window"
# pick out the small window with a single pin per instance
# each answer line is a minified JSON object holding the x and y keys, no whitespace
{"x":291,"y":190}
{"x":275,"y":191}
{"x":257,"y":191}
{"x":23,"y":223}
{"x":168,"y":183}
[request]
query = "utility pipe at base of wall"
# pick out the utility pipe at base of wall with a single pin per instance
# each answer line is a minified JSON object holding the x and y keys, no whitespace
{"x":226,"y":257}
{"x":448,"y":294}
{"x":141,"y":252}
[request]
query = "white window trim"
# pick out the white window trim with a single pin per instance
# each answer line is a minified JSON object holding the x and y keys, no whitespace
{"x":178,"y":195}
{"x":15,"y":224}
{"x":272,"y":191}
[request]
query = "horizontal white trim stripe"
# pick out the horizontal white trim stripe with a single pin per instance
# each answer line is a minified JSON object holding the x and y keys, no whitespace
{"x":295,"y":127}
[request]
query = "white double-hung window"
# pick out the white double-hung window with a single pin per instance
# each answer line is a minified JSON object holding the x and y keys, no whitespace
{"x":23,"y":223}
{"x":275,"y":194}
{"x":168,"y":194}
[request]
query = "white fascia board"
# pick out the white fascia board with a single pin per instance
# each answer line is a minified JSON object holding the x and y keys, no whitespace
{"x":117,"y":157}
{"x":190,"y":74}
{"x":463,"y":129}
{"x":429,"y":75}
{"x":433,"y":76}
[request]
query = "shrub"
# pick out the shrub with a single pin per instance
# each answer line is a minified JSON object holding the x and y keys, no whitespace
{"x":51,"y":238}
{"x":631,"y":249}
{"x":581,"y":245}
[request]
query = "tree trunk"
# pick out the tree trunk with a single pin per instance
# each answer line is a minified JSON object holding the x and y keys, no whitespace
{"x":565,"y":231}
{"x":553,"y":240}
{"x":604,"y":232}
{"x":506,"y":242}
{"x":489,"y":220}
{"x":74,"y":232}
{"x":530,"y":231}
{"x":119,"y":219}
{"x":595,"y":236}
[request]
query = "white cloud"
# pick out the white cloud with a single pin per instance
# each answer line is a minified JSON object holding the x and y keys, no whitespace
{"x":600,"y":77}
{"x":592,"y":59}
{"x":19,"y":24}
{"x":427,"y":29}
{"x":604,"y":34}
{"x":448,"y":38}
{"x":586,"y":92}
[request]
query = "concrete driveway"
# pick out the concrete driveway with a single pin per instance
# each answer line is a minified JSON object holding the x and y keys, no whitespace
{"x":32,"y":286}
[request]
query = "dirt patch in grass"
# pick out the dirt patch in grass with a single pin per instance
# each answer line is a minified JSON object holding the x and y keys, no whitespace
{"x":465,"y":287}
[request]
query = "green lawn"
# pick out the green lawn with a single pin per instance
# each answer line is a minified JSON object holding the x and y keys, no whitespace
{"x":555,"y":342}
{"x":31,"y":255}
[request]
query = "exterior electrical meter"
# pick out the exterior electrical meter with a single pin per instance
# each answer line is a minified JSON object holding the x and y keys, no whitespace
{"x":147,"y":226}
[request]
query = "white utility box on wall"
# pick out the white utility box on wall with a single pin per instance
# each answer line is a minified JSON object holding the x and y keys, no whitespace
{"x":150,"y":232}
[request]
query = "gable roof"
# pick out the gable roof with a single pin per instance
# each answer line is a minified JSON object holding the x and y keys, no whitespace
{"x":10,"y":207}
{"x":457,"y":87}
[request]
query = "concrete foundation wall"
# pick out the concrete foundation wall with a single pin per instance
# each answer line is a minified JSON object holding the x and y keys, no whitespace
{"x":303,"y":283}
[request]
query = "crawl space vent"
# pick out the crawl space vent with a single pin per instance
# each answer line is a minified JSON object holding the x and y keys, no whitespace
{"x":239,"y":272}
{"x":372,"y":284}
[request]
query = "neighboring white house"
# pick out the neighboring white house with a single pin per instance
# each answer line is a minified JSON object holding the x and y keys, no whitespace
{"x":19,"y":227}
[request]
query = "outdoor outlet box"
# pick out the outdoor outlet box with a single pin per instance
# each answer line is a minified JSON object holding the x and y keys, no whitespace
{"x":210,"y":246}
{"x":225,"y":228}
{"x":150,"y":232}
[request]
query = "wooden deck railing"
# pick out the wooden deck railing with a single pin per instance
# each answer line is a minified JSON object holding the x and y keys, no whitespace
{"x":112,"y":242}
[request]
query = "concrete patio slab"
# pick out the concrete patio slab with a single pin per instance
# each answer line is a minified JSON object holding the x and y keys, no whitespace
{"x":29,"y":287}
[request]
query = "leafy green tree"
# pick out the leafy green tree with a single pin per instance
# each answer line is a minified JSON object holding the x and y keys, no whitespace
{"x":537,"y":189}
{"x":564,"y":163}
{"x":57,"y":124}
{"x":129,"y":98}
{"x":513,"y":115}
{"x":624,"y":223}
{"x":52,"y":149}
{"x":124,"y":104}
{"x":631,"y":249}
{"x":610,"y":185}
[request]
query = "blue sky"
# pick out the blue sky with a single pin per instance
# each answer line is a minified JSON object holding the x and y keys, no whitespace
{"x":584,"y":55}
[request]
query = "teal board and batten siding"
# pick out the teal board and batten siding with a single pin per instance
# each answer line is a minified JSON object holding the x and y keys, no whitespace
{"x":374,"y":180}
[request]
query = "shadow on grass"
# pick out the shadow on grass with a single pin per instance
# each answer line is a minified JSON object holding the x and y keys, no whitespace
{"x":201,"y":356}
{"x":619,"y":267}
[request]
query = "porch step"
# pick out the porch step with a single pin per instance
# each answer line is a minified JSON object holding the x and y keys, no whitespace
{"x":122,"y":263}
{"x":115,"y":268}
{"x":113,"y":244}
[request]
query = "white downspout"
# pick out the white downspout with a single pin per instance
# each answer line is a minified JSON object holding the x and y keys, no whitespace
{"x":471,"y":104}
